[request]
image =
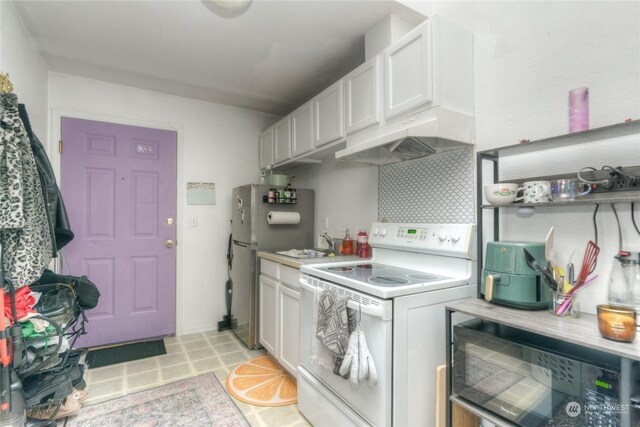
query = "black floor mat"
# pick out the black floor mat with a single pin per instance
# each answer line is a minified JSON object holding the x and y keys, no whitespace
{"x":124,"y":353}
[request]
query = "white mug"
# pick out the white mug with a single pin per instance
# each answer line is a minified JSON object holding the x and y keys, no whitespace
{"x":537,"y":192}
{"x":502,"y":194}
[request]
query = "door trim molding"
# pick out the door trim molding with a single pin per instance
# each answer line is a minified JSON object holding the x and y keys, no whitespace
{"x":54,"y":156}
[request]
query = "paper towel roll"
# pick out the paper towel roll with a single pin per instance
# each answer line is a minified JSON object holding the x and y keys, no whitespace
{"x":276,"y":218}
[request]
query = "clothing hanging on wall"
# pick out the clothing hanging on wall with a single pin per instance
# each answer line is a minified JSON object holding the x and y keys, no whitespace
{"x":24,"y":227}
{"x":59,"y":227}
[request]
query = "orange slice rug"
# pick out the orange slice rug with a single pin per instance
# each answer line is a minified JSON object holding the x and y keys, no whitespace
{"x":262,"y":382}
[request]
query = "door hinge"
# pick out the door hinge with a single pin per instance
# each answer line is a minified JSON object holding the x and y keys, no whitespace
{"x":60,"y":146}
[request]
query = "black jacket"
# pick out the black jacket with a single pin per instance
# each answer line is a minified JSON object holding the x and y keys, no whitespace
{"x":59,"y":227}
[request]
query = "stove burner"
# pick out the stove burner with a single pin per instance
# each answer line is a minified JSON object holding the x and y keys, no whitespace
{"x":343,"y":269}
{"x":386,"y":280}
{"x":370,"y":266}
{"x":425,"y":276}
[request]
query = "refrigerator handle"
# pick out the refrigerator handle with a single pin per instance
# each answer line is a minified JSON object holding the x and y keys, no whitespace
{"x":244,"y":245}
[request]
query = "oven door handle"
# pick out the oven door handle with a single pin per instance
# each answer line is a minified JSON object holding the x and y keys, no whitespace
{"x":382,"y":311}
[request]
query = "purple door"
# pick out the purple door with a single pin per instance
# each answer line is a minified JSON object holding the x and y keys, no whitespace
{"x":119,"y":187}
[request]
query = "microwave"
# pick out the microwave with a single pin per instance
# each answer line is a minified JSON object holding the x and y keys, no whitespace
{"x":532,"y":380}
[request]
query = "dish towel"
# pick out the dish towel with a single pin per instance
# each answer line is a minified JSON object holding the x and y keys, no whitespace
{"x":358,"y":362}
{"x":320,"y":354}
{"x":333,"y":323}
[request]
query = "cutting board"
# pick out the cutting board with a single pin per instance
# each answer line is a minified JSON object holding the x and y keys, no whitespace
{"x":460,"y":416}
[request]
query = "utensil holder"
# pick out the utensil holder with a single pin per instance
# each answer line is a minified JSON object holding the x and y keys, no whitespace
{"x":564,"y":305}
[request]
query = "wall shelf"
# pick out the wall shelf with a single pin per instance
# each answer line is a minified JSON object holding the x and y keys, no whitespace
{"x":591,"y":135}
{"x":592,"y":199}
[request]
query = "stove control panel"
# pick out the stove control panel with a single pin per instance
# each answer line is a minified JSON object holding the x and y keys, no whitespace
{"x":455,"y":238}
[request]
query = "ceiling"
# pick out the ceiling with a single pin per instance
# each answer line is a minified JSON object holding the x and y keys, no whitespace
{"x":271,"y":58}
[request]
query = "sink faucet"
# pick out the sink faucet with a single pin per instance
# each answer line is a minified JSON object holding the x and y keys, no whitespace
{"x":328,"y":239}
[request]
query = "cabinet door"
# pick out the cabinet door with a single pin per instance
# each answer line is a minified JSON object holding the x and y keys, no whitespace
{"x":408,"y":72}
{"x":282,"y":138}
{"x":268,"y":314}
{"x":266,"y":148}
{"x":362,"y":95}
{"x":289,"y":328}
{"x":328,"y":114}
{"x":302,"y":130}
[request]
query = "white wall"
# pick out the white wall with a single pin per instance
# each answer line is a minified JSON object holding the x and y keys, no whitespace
{"x":528,"y":55}
{"x":28,"y":71}
{"x":216,"y":144}
{"x":346,"y":195}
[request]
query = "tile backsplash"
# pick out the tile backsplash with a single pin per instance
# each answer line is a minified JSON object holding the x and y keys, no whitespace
{"x":434,"y":189}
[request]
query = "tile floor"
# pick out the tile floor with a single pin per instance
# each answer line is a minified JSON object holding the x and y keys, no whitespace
{"x":188,"y":356}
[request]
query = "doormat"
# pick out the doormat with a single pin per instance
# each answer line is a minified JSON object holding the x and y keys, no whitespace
{"x":262,"y":382}
{"x":124,"y":353}
{"x":198,"y":401}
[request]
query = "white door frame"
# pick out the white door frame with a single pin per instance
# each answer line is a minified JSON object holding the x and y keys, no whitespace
{"x":54,"y":156}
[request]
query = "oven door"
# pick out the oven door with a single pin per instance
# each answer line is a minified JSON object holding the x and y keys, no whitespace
{"x":373,"y":405}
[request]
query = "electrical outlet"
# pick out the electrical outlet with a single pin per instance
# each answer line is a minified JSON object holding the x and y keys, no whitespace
{"x":621,"y":182}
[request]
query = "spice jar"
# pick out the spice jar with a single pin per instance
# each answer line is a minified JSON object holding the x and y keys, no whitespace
{"x":271,"y":195}
{"x":363,"y":250}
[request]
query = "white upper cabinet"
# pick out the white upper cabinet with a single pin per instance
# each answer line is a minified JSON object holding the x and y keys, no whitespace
{"x":266,"y":148}
{"x":362,"y":95}
{"x":328,"y":110}
{"x":302,"y":130}
{"x":282,"y":140}
{"x":408,"y":72}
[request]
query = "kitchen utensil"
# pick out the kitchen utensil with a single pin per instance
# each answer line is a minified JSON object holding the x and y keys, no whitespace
{"x":531,"y":262}
{"x":588,"y":263}
{"x":563,"y":190}
{"x":558,"y":272}
{"x":549,"y":253}
{"x":502,"y":194}
{"x":537,"y":191}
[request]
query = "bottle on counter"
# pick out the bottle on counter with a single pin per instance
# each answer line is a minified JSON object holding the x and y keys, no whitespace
{"x":271,"y":196}
{"x":363,"y":250}
{"x":347,"y":244}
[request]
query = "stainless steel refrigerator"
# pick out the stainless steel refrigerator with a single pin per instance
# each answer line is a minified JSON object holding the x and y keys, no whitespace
{"x":251,"y":233}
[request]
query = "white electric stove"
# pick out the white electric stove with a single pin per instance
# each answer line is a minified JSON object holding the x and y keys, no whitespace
{"x":415,"y":269}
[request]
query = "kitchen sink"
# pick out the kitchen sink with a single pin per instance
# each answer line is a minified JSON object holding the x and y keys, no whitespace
{"x":309,"y":253}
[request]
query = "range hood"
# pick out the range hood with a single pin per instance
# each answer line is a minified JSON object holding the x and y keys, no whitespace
{"x":435,"y":130}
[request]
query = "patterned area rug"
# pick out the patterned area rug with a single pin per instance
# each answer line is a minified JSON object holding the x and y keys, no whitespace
{"x":262,"y":382}
{"x":199,"y":401}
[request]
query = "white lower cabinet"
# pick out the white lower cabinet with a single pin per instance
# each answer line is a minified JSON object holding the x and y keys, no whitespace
{"x":268,"y":314}
{"x":289,"y":328}
{"x":280,"y":313}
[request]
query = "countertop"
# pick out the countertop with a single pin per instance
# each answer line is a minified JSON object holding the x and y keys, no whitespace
{"x":582,"y":331}
{"x":299,"y":262}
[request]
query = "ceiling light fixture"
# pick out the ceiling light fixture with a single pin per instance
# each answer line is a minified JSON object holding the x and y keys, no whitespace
{"x":230,"y":4}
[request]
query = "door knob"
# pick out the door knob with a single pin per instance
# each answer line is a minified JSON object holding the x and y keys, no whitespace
{"x":169,"y":243}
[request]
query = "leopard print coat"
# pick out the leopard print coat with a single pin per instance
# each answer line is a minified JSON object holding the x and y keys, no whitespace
{"x":24,"y":228}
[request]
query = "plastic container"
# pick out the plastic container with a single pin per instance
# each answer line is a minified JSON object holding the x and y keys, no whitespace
{"x":578,"y":109}
{"x":347,"y":244}
{"x":363,"y":250}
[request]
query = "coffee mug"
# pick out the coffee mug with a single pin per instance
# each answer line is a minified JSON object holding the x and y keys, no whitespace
{"x":563,"y":190}
{"x":502,"y":194}
{"x":537,"y":191}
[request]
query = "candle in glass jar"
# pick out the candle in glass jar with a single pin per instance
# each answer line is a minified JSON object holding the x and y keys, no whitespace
{"x":578,"y":109}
